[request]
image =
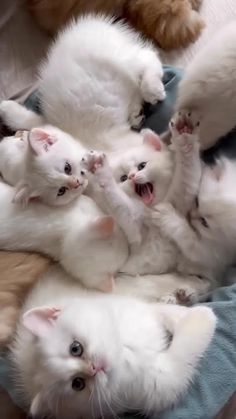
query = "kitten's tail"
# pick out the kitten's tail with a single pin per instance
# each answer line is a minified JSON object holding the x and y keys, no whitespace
{"x":176,"y":367}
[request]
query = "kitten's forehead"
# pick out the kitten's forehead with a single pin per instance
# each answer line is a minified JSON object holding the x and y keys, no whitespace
{"x":131,"y":157}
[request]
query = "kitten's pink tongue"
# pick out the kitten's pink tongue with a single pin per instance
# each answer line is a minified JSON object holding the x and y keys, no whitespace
{"x":147,"y":194}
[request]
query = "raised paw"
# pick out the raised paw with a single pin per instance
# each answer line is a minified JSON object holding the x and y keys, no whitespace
{"x":92,"y":160}
{"x":184,"y":128}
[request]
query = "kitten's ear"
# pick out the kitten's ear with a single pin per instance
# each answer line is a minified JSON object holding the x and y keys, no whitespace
{"x":152,"y":139}
{"x":24,"y":195}
{"x":40,"y":320}
{"x":103,"y":226}
{"x":40,"y":141}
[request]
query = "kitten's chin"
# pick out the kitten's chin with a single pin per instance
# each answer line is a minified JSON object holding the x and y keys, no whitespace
{"x":145,"y":191}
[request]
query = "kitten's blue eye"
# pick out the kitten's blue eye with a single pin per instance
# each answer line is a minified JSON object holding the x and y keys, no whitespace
{"x":76,"y":349}
{"x":142,"y":165}
{"x":123,"y":178}
{"x":204,"y":222}
{"x":78,"y":384}
{"x":67,"y":168}
{"x":62,"y":191}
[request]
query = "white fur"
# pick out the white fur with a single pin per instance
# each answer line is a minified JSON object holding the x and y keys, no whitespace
{"x":127,"y":362}
{"x":209,"y":86}
{"x":77,"y":236}
{"x":35,"y":163}
{"x":97,"y":90}
{"x":206,"y":238}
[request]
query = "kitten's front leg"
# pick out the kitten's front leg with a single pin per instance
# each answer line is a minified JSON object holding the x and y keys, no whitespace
{"x":18,"y":117}
{"x":188,"y":168}
{"x":177,"y":229}
{"x":119,"y":204}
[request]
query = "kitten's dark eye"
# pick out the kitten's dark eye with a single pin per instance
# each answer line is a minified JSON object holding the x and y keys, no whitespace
{"x":123,"y":178}
{"x":196,"y":202}
{"x":82,"y":173}
{"x":142,"y":165}
{"x":204,"y":222}
{"x":67,"y":168}
{"x":76,"y":349}
{"x":62,"y":191}
{"x":78,"y":384}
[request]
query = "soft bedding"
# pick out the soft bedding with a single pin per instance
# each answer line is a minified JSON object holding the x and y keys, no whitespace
{"x":216,"y":379}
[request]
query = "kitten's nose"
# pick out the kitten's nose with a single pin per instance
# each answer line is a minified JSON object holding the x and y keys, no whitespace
{"x":73,"y":183}
{"x":131,"y":175}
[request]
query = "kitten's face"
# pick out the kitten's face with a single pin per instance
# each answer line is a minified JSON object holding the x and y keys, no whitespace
{"x":77,"y":363}
{"x":145,"y":171}
{"x":55,"y":175}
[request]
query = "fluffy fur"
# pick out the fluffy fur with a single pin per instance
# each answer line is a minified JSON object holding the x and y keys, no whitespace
{"x":65,"y":368}
{"x":169,"y":23}
{"x":44,"y":165}
{"x":75,"y":235}
{"x":19,"y":272}
{"x":207,"y":235}
{"x":102,"y":84}
{"x":209,"y":86}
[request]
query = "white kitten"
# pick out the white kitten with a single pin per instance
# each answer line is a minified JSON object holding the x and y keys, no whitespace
{"x":106,"y":73}
{"x":87,"y":243}
{"x":44,"y":165}
{"x":209,"y":86}
{"x":83,"y":355}
{"x":206,"y":237}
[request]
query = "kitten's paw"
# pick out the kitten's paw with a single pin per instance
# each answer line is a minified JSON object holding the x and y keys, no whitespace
{"x":153,"y":90}
{"x":161,"y":213}
{"x":168,"y":299}
{"x":186,"y":296}
{"x":184,"y":127}
{"x":92,"y":160}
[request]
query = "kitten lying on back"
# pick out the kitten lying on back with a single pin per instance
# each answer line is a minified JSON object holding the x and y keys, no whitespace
{"x":84,"y":355}
{"x":150,"y":252}
{"x":106,"y":74}
{"x":44,"y":165}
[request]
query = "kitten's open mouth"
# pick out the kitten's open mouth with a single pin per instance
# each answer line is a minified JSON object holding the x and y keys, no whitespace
{"x":145,"y":191}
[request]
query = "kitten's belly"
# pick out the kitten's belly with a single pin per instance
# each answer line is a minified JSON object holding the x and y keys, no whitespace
{"x":154,"y":256}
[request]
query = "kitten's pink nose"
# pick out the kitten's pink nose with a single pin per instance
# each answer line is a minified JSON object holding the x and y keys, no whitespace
{"x":73,"y":183}
{"x":131,"y":175}
{"x":95,"y":368}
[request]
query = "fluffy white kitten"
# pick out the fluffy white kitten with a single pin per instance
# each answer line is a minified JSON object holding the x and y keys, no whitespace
{"x":87,"y":243}
{"x":44,"y":165}
{"x":209,"y":86}
{"x":83,"y":355}
{"x":96,"y":92}
{"x":206,"y":237}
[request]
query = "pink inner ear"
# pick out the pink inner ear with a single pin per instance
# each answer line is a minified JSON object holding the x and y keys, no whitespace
{"x":40,"y":140}
{"x":152,"y":139}
{"x":104,"y":226}
{"x":40,"y":320}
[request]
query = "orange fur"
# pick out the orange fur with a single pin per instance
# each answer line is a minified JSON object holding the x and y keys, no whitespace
{"x":170,"y":23}
{"x":19,"y":271}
